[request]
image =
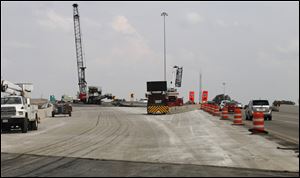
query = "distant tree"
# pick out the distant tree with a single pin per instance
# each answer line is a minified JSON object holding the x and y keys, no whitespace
{"x":278,"y":102}
{"x":217,"y":99}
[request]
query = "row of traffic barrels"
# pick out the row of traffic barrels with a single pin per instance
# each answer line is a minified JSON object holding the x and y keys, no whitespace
{"x":214,"y":109}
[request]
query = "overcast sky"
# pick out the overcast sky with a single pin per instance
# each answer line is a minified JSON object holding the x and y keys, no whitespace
{"x":251,"y":46}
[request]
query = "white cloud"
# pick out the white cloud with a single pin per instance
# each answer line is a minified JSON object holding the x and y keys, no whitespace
{"x":54,"y":21}
{"x":120,"y":24}
{"x":291,"y":47}
{"x":132,"y":44}
{"x":135,"y":49}
{"x":194,"y":18}
{"x":236,"y":23}
{"x":18,"y":44}
{"x":221,"y":23}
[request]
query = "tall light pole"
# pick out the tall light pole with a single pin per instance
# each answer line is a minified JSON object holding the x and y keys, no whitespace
{"x":224,"y":88}
{"x":164,"y":14}
{"x":200,"y":88}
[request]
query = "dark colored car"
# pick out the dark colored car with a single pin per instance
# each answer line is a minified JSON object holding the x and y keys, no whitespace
{"x":231,"y":107}
{"x":62,"y":108}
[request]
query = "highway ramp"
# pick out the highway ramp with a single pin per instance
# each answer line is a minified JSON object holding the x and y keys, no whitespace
{"x":129,"y":134}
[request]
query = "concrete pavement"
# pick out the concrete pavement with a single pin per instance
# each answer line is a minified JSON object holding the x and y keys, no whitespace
{"x":128,"y":134}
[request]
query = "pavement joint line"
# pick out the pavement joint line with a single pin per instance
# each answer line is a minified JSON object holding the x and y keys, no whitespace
{"x":276,"y":134}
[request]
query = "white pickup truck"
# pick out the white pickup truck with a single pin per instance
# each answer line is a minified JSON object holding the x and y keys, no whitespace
{"x":16,"y":110}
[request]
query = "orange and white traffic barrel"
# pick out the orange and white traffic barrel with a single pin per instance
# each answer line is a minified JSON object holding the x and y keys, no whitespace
{"x":216,"y":110}
{"x":213,"y":109}
{"x":218,"y":113}
{"x":258,"y":123}
{"x":224,"y":115}
{"x":209,"y":108}
{"x":237,"y":117}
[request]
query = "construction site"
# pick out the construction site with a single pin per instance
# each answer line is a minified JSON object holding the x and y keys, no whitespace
{"x":96,"y":133}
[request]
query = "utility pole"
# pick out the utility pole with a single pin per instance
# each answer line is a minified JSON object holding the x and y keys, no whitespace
{"x":164,"y":14}
{"x":224,"y":88}
{"x":200,"y":88}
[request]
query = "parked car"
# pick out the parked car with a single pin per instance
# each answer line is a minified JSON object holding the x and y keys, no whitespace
{"x":258,"y":106}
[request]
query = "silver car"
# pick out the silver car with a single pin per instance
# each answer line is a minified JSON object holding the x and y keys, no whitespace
{"x":258,"y":106}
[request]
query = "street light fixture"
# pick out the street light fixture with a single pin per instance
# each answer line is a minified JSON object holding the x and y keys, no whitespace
{"x":224,"y":88}
{"x":164,"y":14}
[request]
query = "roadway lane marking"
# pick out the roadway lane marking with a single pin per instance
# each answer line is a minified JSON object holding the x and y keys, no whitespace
{"x":283,"y":136}
{"x":290,"y":122}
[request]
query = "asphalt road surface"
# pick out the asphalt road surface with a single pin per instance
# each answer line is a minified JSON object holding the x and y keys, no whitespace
{"x":285,"y":124}
{"x":112,"y":141}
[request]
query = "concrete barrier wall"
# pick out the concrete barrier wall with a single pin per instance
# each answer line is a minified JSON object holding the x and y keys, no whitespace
{"x":184,"y":108}
{"x":43,"y":113}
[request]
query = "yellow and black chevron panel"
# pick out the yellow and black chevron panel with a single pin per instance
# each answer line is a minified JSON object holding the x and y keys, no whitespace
{"x":157,"y":109}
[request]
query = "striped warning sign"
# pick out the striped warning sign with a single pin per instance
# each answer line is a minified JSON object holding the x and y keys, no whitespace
{"x":157,"y":109}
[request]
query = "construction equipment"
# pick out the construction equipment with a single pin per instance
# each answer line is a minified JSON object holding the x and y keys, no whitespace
{"x":94,"y":94}
{"x":79,"y":55}
{"x":172,"y":94}
{"x":157,"y":97}
{"x":16,"y":109}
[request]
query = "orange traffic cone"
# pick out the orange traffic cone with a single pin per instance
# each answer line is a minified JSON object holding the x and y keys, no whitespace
{"x":237,"y":117}
{"x":258,"y":123}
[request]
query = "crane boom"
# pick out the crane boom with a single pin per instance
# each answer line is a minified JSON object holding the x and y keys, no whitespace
{"x":79,"y":55}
